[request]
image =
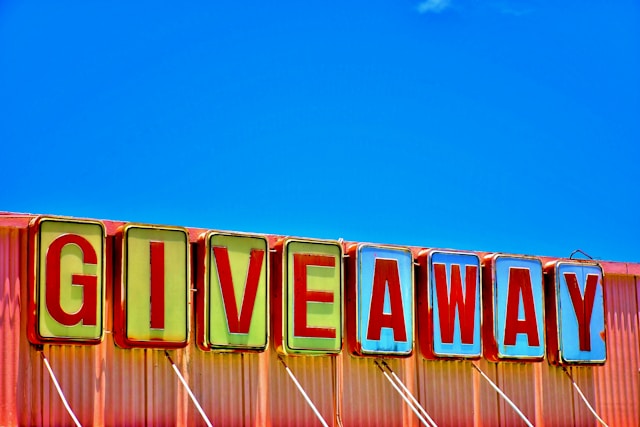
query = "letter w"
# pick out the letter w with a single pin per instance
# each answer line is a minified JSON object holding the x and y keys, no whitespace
{"x":447,"y":302}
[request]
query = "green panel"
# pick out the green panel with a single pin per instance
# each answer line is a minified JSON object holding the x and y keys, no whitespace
{"x":71,"y":262}
{"x":325,"y":315}
{"x":138,"y":284}
{"x":239,"y":249}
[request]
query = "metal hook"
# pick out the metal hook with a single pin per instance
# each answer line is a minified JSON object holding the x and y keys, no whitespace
{"x":582,"y":252}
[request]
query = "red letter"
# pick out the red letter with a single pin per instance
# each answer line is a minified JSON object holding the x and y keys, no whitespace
{"x":156,"y":258}
{"x":582,"y":307}
{"x":302,"y":295}
{"x":87,"y":313}
{"x":241,"y":324}
{"x":520,"y":283}
{"x":447,"y":304}
{"x":386,"y":272}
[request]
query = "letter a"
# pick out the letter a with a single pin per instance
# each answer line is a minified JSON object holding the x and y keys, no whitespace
{"x":386,"y":277}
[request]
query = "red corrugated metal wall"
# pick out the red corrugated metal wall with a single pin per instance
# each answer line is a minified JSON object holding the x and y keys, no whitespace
{"x":11,"y":348}
{"x":617,"y":383}
{"x":106,"y":385}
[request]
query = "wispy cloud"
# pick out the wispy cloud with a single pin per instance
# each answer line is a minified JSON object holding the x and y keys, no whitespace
{"x":504,"y":7}
{"x":506,"y":10}
{"x":433,"y":6}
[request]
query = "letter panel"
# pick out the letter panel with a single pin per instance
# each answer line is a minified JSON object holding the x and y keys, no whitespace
{"x":233,"y":305}
{"x":514,"y":308}
{"x":151,"y":307}
{"x":66,"y":281}
{"x":452,"y":294}
{"x":384,"y":301}
{"x":576,"y":326}
{"x":311,"y":300}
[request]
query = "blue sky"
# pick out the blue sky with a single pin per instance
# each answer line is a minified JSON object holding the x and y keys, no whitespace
{"x":507,"y":126}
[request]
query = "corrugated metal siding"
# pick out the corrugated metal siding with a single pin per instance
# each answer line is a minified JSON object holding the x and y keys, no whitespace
{"x":10,"y":331}
{"x":77,"y":371}
{"x":20,"y":365}
{"x":125,"y":385}
{"x":556,"y":400}
{"x":162,"y":390}
{"x":220,"y":382}
{"x":369,"y":399}
{"x":617,"y":392}
{"x":486,"y":397}
{"x":584,"y":377}
{"x":454,"y":394}
{"x":518,"y":381}
{"x":287,"y":405}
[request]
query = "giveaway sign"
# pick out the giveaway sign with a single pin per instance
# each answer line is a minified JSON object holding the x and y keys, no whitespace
{"x":305,"y":295}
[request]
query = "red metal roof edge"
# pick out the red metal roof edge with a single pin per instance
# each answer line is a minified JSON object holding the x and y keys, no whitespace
{"x":17,"y":220}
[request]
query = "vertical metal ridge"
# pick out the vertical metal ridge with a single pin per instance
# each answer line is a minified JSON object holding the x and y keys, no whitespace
{"x":10,"y":258}
{"x":124,"y":385}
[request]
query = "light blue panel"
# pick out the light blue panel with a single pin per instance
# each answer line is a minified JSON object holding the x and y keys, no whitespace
{"x":457,"y":348}
{"x":521,"y":349}
{"x":387,"y":344}
{"x":569,"y":344}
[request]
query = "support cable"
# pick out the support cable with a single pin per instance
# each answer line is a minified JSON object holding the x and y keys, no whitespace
{"x":304,"y":394}
{"x":60,"y":393}
{"x":413,"y":407}
{"x":186,"y":386}
{"x":584,"y":398}
{"x":504,"y":396}
{"x":411,"y":396}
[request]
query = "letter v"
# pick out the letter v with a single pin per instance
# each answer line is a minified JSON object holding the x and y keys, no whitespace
{"x":238,"y":324}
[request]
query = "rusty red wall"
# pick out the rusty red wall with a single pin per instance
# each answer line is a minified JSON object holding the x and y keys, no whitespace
{"x":11,"y":245}
{"x":106,"y":385}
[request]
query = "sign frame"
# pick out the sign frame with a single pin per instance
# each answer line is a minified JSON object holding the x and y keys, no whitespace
{"x":280,"y":301}
{"x":202,"y":308}
{"x":355,"y":303}
{"x":34,"y":285}
{"x":491,"y":347}
{"x":120,"y":336}
{"x":426,"y":327}
{"x":553,"y":320}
